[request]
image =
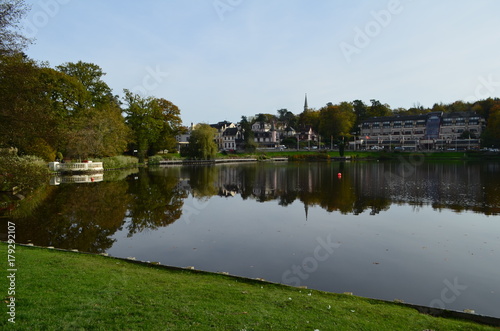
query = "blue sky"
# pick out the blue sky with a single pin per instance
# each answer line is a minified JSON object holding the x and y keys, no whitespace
{"x":221,"y":59}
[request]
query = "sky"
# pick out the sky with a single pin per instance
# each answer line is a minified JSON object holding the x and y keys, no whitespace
{"x":222,"y":59}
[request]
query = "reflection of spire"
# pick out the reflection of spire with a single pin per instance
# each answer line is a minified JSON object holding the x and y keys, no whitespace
{"x":306,"y":208}
{"x":305,"y":103}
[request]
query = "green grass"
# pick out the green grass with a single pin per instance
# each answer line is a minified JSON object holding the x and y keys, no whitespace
{"x":66,"y":291}
{"x":362,"y":154}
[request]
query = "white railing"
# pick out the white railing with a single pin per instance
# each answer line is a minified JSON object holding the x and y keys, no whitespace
{"x":76,"y":166}
{"x":57,"y":180}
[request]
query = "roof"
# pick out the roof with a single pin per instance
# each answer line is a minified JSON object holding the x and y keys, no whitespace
{"x":220,"y":125}
{"x":230,"y":132}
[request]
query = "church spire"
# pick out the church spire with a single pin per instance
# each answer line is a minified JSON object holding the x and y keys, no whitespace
{"x":306,"y":208}
{"x":305,"y":104}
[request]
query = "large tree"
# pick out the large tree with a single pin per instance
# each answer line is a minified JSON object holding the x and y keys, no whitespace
{"x":152,"y":121}
{"x":201,"y":143}
{"x":90,"y":75}
{"x":89,"y":120}
{"x":26,"y":119}
{"x":336,"y":121}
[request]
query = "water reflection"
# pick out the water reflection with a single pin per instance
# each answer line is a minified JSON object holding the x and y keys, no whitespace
{"x":86,"y":216}
{"x":361,"y":187}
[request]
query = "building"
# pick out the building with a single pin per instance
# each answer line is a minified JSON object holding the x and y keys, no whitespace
{"x":436,"y":130}
{"x":221,"y":127}
{"x":265,"y":134}
{"x":232,"y":138}
{"x":183,"y":139}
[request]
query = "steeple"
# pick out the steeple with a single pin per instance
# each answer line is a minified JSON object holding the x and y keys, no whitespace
{"x":306,"y":208}
{"x":305,"y":103}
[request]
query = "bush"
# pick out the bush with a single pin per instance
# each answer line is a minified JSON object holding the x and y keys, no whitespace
{"x":297,"y":157}
{"x":309,"y":157}
{"x":25,"y":173}
{"x":119,"y":162}
{"x":155,"y":159}
{"x":262,"y":157}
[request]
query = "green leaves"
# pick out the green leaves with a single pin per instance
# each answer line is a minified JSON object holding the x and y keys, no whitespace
{"x":154,"y":122}
{"x":202,"y":144}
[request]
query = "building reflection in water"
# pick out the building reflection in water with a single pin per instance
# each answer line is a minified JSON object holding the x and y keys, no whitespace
{"x":85,"y":216}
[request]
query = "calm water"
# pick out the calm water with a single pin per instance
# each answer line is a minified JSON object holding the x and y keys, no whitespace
{"x":425,"y":233}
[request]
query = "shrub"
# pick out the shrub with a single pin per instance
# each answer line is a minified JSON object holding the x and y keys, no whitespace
{"x":119,"y":162}
{"x":155,"y":159}
{"x":25,"y":173}
{"x":297,"y":157}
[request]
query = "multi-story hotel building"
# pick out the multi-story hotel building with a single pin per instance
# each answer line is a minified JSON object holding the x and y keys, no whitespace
{"x":434,"y":130}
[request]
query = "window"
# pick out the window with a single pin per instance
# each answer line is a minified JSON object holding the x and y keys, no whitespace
{"x":447,"y":122}
{"x":397,"y":124}
{"x":387,"y":124}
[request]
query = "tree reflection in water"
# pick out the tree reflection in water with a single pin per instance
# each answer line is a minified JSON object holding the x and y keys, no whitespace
{"x":86,"y":216}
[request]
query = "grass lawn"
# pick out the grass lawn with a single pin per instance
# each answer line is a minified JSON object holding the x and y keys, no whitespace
{"x":67,"y":291}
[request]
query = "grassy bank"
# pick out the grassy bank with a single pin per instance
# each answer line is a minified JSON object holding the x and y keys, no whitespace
{"x":368,"y":155}
{"x":66,"y":291}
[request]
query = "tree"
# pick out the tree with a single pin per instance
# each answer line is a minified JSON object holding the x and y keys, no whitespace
{"x":287,"y":117}
{"x":282,"y":114}
{"x":11,"y":13}
{"x":201,"y":143}
{"x":248,"y":135}
{"x":491,"y":136}
{"x":98,"y":133}
{"x":309,"y":118}
{"x":467,"y":135}
{"x":26,"y":119}
{"x":172,"y":126}
{"x":336,"y":120}
{"x":151,"y":120}
{"x":378,"y":110}
{"x":66,"y":94}
{"x":90,"y":75}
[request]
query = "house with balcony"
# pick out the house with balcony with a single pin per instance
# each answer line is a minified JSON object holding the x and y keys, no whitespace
{"x":435,"y":130}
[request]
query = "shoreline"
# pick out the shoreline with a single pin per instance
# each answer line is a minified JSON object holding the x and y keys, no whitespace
{"x":434,"y":312}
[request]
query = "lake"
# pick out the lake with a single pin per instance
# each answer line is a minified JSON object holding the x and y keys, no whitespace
{"x":426,"y":233}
